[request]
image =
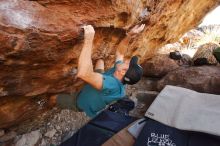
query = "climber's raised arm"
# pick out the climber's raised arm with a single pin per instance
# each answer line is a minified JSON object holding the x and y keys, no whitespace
{"x":85,"y":66}
{"x":122,"y":47}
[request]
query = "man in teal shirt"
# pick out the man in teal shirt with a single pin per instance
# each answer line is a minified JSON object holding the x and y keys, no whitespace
{"x":92,"y":100}
{"x":103,"y":88}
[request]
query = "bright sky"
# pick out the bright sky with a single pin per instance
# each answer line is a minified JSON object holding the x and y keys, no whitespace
{"x":212,"y":17}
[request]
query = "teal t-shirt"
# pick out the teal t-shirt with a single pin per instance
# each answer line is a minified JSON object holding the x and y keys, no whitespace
{"x":91,"y":100}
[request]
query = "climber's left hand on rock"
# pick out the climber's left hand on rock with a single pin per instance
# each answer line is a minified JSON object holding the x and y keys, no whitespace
{"x":89,"y":32}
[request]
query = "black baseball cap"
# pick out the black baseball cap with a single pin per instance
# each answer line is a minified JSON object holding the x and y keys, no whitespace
{"x":134,"y":72}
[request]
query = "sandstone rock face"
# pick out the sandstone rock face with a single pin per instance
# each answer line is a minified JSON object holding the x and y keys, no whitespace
{"x":16,"y":109}
{"x":41,"y":41}
{"x":159,"y":66}
{"x":202,"y":79}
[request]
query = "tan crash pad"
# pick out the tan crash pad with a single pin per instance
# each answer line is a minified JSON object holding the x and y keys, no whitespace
{"x":122,"y":138}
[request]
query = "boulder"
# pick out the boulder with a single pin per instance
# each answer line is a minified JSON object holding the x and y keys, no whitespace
{"x":204,"y":79}
{"x":29,"y":139}
{"x":159,"y":66}
{"x":2,"y":132}
{"x":205,"y":51}
{"x":146,"y":97}
{"x":41,"y":42}
{"x":50,"y":133}
{"x":8,"y":136}
{"x":14,"y":110}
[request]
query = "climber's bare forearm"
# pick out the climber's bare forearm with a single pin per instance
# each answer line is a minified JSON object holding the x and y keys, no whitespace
{"x":122,"y":48}
{"x":85,"y":62}
{"x":85,"y":67}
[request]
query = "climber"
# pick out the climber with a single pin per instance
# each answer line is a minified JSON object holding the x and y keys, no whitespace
{"x":102,"y":88}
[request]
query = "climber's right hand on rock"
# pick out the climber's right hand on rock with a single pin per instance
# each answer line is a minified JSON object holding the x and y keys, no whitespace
{"x":136,"y":30}
{"x":89,"y":32}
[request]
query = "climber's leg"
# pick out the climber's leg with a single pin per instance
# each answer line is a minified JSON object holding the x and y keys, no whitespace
{"x":66,"y":101}
{"x":99,"y":66}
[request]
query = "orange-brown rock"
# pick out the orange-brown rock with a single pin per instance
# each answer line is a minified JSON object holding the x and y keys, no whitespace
{"x":40,"y":40}
{"x":16,"y":109}
{"x":204,"y":79}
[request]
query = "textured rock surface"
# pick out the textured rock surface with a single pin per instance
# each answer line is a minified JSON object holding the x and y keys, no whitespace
{"x":16,"y":109}
{"x":202,"y":79}
{"x":29,"y":139}
{"x":206,"y":51}
{"x":41,"y":41}
{"x":159,"y":66}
